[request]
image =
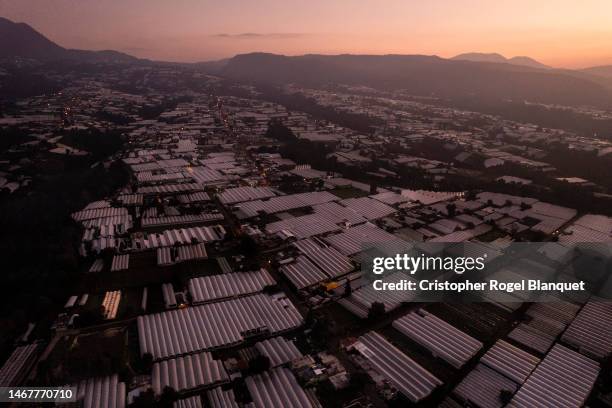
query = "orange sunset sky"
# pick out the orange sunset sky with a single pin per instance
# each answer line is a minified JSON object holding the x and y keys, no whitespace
{"x":559,"y":33}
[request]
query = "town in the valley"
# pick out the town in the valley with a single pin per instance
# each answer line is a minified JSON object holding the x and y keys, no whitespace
{"x":213,"y":236}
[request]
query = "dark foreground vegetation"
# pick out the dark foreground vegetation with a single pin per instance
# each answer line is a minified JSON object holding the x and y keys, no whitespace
{"x":39,"y":240}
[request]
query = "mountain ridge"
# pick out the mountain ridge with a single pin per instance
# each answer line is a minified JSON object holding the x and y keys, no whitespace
{"x":421,"y":75}
{"x":601,"y":70}
{"x":500,"y":59}
{"x":22,"y":41}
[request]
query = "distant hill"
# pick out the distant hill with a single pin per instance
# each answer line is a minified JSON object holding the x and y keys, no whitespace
{"x":602,"y":71}
{"x":21,"y":40}
{"x":481,"y":57}
{"x":527,"y":62}
{"x":421,"y":75}
{"x":213,"y":67}
{"x":498,"y":58}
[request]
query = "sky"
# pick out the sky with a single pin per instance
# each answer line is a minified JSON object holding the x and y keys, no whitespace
{"x":560,"y":33}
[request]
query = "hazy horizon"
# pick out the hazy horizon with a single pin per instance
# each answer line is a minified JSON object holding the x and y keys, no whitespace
{"x":556,"y":33}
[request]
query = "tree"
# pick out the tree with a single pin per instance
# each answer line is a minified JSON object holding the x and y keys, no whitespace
{"x":377,"y":310}
{"x":348,"y":289}
{"x":310,"y":317}
{"x":278,"y":131}
{"x":248,"y":246}
{"x":325,"y":388}
{"x":259,"y":364}
{"x":43,"y":371}
{"x":505,"y":396}
{"x":359,"y":379}
{"x":168,"y":396}
{"x":606,"y":368}
{"x":320,"y":332}
{"x":373,"y":188}
{"x":146,"y":362}
{"x":270,"y":289}
{"x":470,"y":195}
{"x":144,"y":400}
{"x":451,"y":209}
{"x":90,"y":317}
